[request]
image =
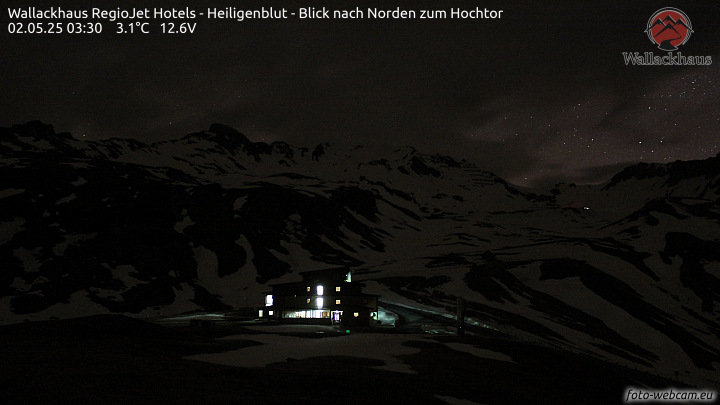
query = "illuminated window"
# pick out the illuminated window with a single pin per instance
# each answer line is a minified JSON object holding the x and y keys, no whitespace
{"x":308,"y":300}
{"x":356,"y":314}
{"x":319,"y":290}
{"x":308,"y":289}
{"x":306,"y":313}
{"x":260,"y":313}
{"x":337,"y":302}
{"x":337,"y":289}
{"x":319,"y":302}
{"x":271,"y":313}
{"x":268,"y":300}
{"x":348,"y":277}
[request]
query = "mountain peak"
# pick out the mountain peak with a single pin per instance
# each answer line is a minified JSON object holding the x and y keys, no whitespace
{"x":34,"y":128}
{"x":226,"y":133}
{"x":37,"y":130}
{"x":675,"y":172}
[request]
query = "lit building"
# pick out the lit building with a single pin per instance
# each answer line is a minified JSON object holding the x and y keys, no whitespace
{"x":323,"y":296}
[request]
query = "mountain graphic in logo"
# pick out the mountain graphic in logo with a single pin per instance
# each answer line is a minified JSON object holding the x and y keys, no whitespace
{"x":669,"y":28}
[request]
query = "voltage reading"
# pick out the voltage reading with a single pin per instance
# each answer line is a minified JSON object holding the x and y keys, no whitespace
{"x":182,"y":28}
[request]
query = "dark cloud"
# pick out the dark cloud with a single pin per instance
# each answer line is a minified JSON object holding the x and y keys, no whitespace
{"x":541,"y":94}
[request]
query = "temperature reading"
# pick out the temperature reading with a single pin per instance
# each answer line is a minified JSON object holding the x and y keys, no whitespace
{"x":133,"y":27}
{"x":182,"y":28}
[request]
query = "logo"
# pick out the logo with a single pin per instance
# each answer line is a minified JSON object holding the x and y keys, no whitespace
{"x":669,"y":28}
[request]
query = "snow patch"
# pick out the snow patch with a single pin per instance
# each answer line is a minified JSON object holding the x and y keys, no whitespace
{"x":180,"y":226}
{"x":79,"y":305}
{"x":713,"y":268}
{"x":184,"y":294}
{"x":276,"y":349}
{"x":239,"y":203}
{"x":124,"y":273}
{"x":20,"y":285}
{"x":9,"y":229}
{"x":29,"y":258}
{"x":9,"y":192}
{"x":79,"y":182}
{"x":71,"y":239}
{"x":387,"y":317}
{"x":479,"y":352}
{"x":65,"y":200}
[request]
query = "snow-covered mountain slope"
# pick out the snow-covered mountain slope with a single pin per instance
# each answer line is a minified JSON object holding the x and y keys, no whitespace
{"x":628,"y":271}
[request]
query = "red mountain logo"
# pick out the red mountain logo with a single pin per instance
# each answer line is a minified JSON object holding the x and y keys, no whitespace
{"x":669,"y":28}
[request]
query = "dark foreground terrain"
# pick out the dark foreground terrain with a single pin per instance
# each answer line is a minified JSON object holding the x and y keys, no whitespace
{"x":625,"y":271}
{"x":116,"y":359}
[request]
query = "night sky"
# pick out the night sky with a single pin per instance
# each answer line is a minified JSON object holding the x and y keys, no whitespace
{"x":540,"y":96}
